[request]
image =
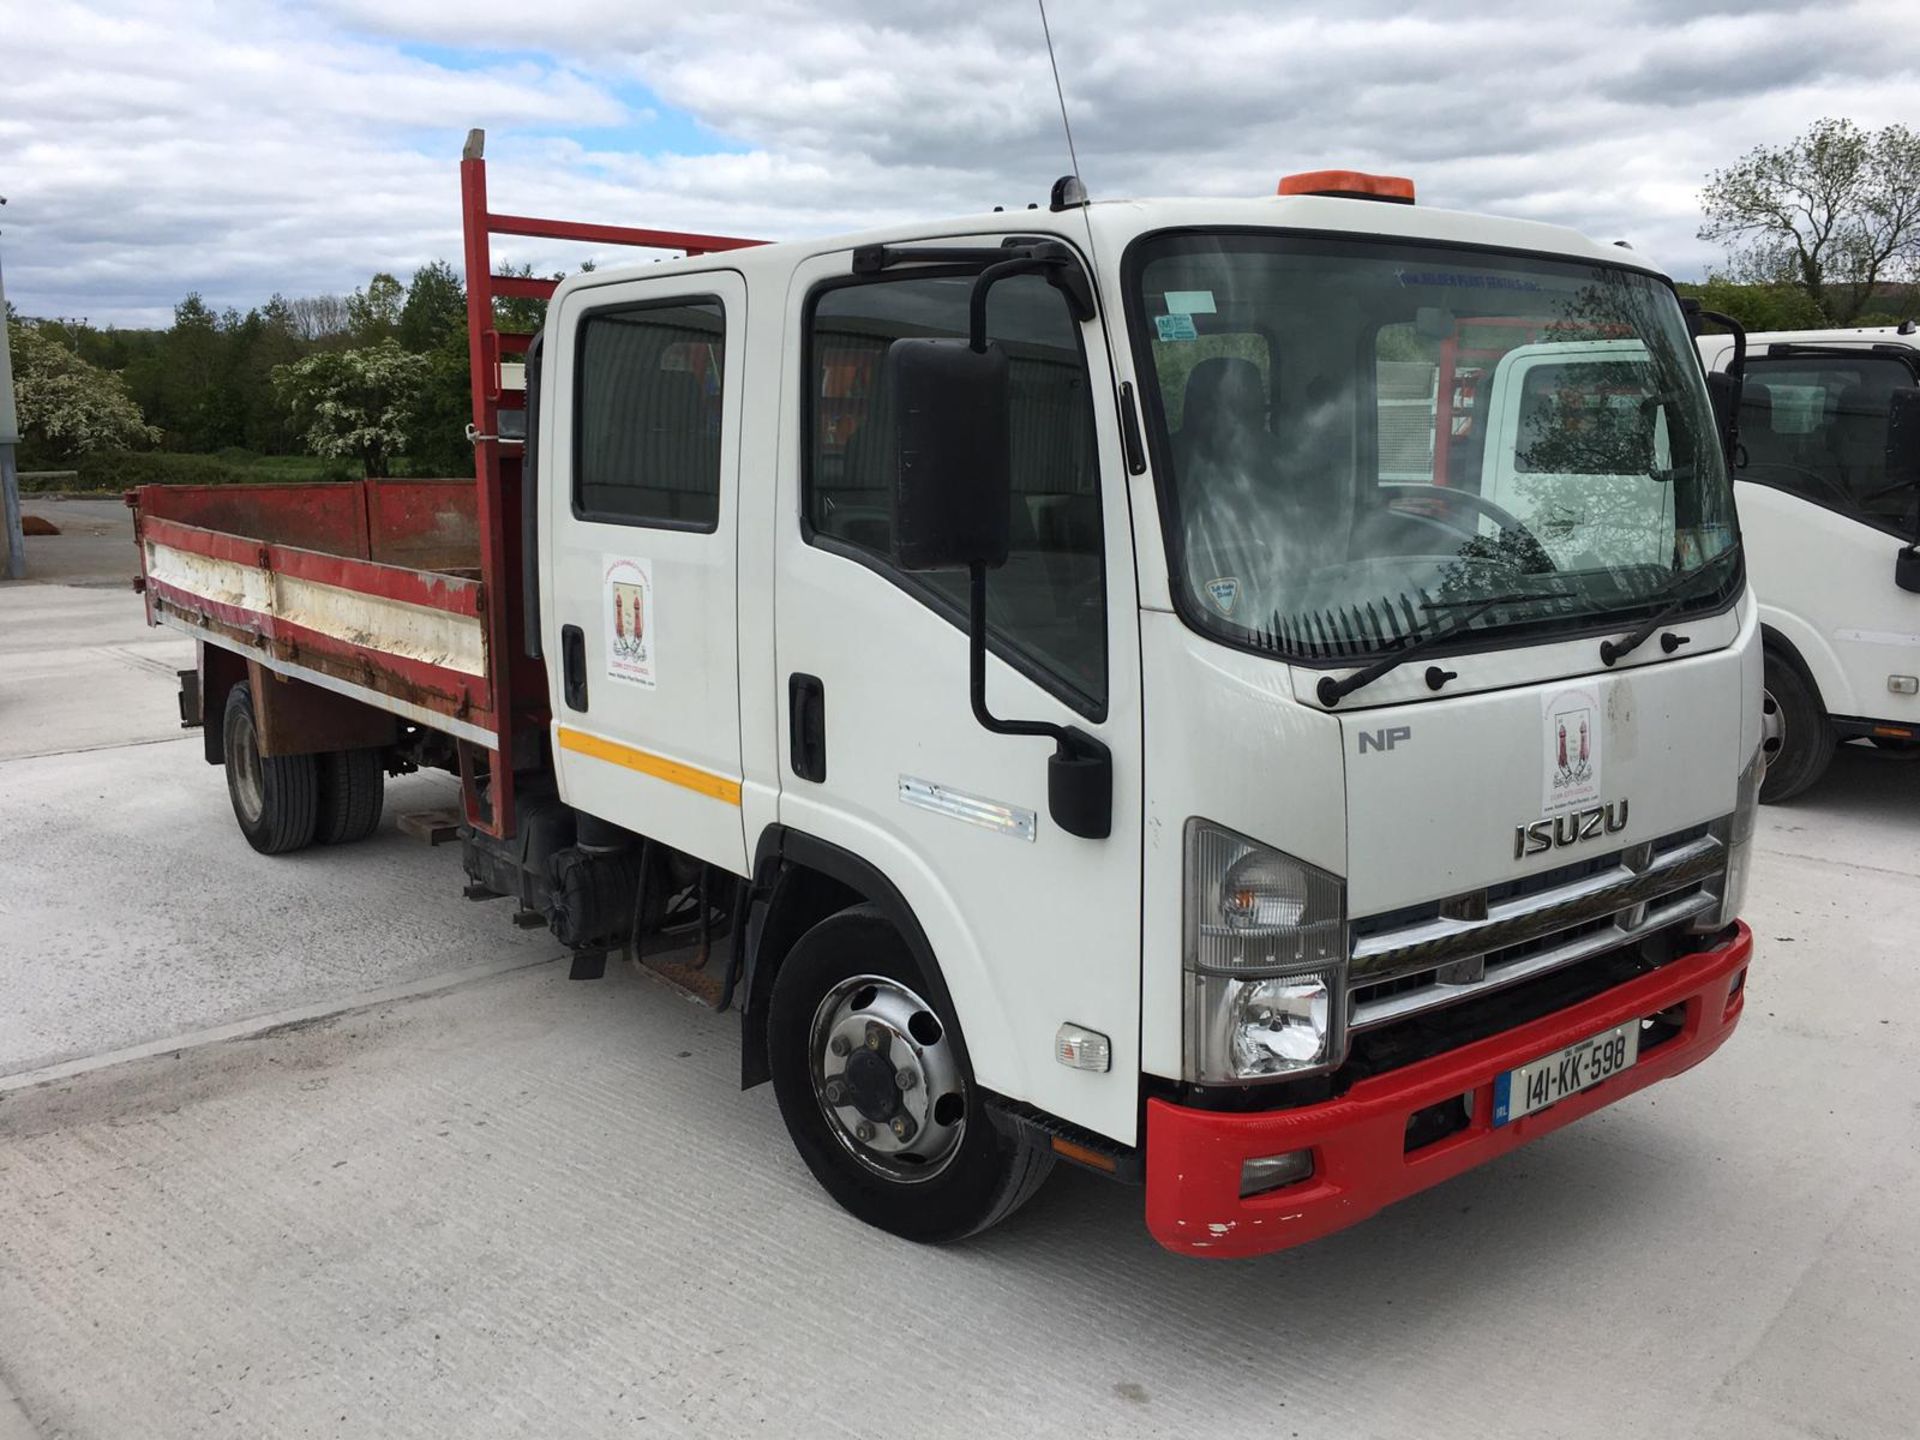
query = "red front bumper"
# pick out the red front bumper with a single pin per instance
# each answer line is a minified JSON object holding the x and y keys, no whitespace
{"x":1360,"y":1164}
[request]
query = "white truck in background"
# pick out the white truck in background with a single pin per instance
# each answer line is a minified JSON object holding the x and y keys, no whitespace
{"x":1830,"y":512}
{"x":1082,"y":728}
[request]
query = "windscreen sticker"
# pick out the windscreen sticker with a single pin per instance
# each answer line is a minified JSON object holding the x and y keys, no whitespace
{"x":1176,"y":327}
{"x":1190,"y":302}
{"x":1224,"y":592}
{"x":1572,"y":768}
{"x":1466,"y":280}
{"x":632,"y":619}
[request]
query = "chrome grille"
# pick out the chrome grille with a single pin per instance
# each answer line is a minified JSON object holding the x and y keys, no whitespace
{"x":1475,"y":943}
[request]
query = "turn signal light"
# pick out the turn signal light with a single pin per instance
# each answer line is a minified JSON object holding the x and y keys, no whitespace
{"x":1273,"y":1172}
{"x":1349,"y":185}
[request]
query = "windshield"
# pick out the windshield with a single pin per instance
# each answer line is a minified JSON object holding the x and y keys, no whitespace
{"x":1356,"y":440}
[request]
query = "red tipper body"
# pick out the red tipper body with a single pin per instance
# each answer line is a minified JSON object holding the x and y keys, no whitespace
{"x":1361,"y":1164}
{"x":406,"y":595}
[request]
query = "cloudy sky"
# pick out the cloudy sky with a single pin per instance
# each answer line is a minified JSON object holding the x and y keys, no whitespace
{"x":155,"y":147}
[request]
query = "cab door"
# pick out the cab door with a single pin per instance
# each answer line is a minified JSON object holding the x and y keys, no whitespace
{"x":1033,"y":927}
{"x":641,"y":515}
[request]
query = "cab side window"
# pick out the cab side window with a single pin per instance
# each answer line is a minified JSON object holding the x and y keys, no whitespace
{"x":1816,"y":426}
{"x":1047,"y":605}
{"x":647,"y":402}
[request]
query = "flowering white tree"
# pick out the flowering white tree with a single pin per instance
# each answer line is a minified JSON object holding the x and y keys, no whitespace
{"x":355,"y":404}
{"x":68,"y":407}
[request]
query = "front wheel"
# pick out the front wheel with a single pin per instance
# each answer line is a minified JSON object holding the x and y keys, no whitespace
{"x":1795,"y":735}
{"x":876,"y":1092}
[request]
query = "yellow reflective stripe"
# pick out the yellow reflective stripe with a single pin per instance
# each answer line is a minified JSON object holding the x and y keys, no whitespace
{"x":688,"y":777}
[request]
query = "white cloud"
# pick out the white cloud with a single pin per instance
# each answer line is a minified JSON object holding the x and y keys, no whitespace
{"x":151,"y":148}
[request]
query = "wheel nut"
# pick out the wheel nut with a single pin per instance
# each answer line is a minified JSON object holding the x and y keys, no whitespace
{"x":903,"y":1127}
{"x":906,"y":1079}
{"x":838,"y":1045}
{"x":876,"y":1038}
{"x":836,"y":1092}
{"x":863,"y":1132}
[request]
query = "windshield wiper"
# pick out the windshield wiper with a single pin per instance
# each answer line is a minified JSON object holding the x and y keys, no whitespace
{"x":1421,"y":639}
{"x":1681,"y":591}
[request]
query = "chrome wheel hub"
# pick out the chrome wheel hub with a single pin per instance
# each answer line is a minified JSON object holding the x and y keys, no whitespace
{"x":1773,"y":729}
{"x":887,"y":1078}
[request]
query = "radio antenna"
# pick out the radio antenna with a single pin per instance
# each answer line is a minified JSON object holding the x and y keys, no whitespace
{"x":1062,"y":200}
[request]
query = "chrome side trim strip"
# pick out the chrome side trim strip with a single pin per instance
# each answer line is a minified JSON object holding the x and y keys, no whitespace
{"x":995,"y":815}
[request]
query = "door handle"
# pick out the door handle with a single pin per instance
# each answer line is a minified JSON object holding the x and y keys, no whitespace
{"x":807,"y":726}
{"x":573,"y":666}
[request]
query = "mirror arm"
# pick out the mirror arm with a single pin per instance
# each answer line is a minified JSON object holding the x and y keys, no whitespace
{"x":1730,"y":435}
{"x":1080,"y":774}
{"x":977,"y":666}
{"x":1738,"y":369}
{"x":1062,"y":270}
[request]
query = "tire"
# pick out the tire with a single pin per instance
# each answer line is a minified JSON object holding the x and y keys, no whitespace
{"x":353,"y":786}
{"x":970,"y":1175}
{"x":275,"y":798}
{"x":1797,"y":737}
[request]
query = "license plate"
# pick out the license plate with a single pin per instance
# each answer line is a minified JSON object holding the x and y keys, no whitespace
{"x":1551,"y":1078}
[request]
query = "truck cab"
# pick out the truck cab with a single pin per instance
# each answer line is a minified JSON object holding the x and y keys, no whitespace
{"x":1317,"y":868}
{"x":1828,"y":513}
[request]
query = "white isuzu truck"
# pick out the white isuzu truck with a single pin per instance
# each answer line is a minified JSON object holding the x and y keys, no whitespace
{"x":1830,"y":507}
{"x":1030,"y":656}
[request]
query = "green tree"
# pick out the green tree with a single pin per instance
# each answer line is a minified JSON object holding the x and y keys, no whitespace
{"x":358,"y":403}
{"x":373,"y":314}
{"x":439,"y":444}
{"x":1835,"y":212}
{"x":67,"y":406}
{"x":435,"y":308}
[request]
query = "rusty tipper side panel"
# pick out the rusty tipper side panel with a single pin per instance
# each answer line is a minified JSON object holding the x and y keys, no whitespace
{"x":295,"y":577}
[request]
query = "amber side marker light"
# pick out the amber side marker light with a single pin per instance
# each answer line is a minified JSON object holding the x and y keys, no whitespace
{"x":1349,"y":185}
{"x":1083,"y":1155}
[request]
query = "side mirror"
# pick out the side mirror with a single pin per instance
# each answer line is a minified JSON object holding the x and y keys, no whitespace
{"x":1723,"y":390}
{"x":1903,"y":438}
{"x":952,"y":503}
{"x":1903,"y":468}
{"x":953,"y":479}
{"x":1906,"y":569}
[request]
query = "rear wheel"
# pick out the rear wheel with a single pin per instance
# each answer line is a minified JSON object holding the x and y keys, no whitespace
{"x":275,"y":797}
{"x":1795,"y":736}
{"x":876,"y":1092}
{"x":353,"y":787}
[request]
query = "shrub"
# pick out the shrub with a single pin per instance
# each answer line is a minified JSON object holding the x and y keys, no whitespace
{"x":124,"y":469}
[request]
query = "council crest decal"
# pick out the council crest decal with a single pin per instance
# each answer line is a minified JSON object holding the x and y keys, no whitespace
{"x":1572,"y":761}
{"x":632,"y":620}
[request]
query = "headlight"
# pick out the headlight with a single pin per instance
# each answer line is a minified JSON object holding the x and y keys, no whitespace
{"x":1265,"y":956}
{"x":1736,"y":833}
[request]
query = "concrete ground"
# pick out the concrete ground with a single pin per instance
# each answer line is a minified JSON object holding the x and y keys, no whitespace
{"x":94,"y":546}
{"x":513,"y":1205}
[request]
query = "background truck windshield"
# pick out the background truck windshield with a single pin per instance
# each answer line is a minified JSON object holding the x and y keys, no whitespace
{"x":1356,"y":439}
